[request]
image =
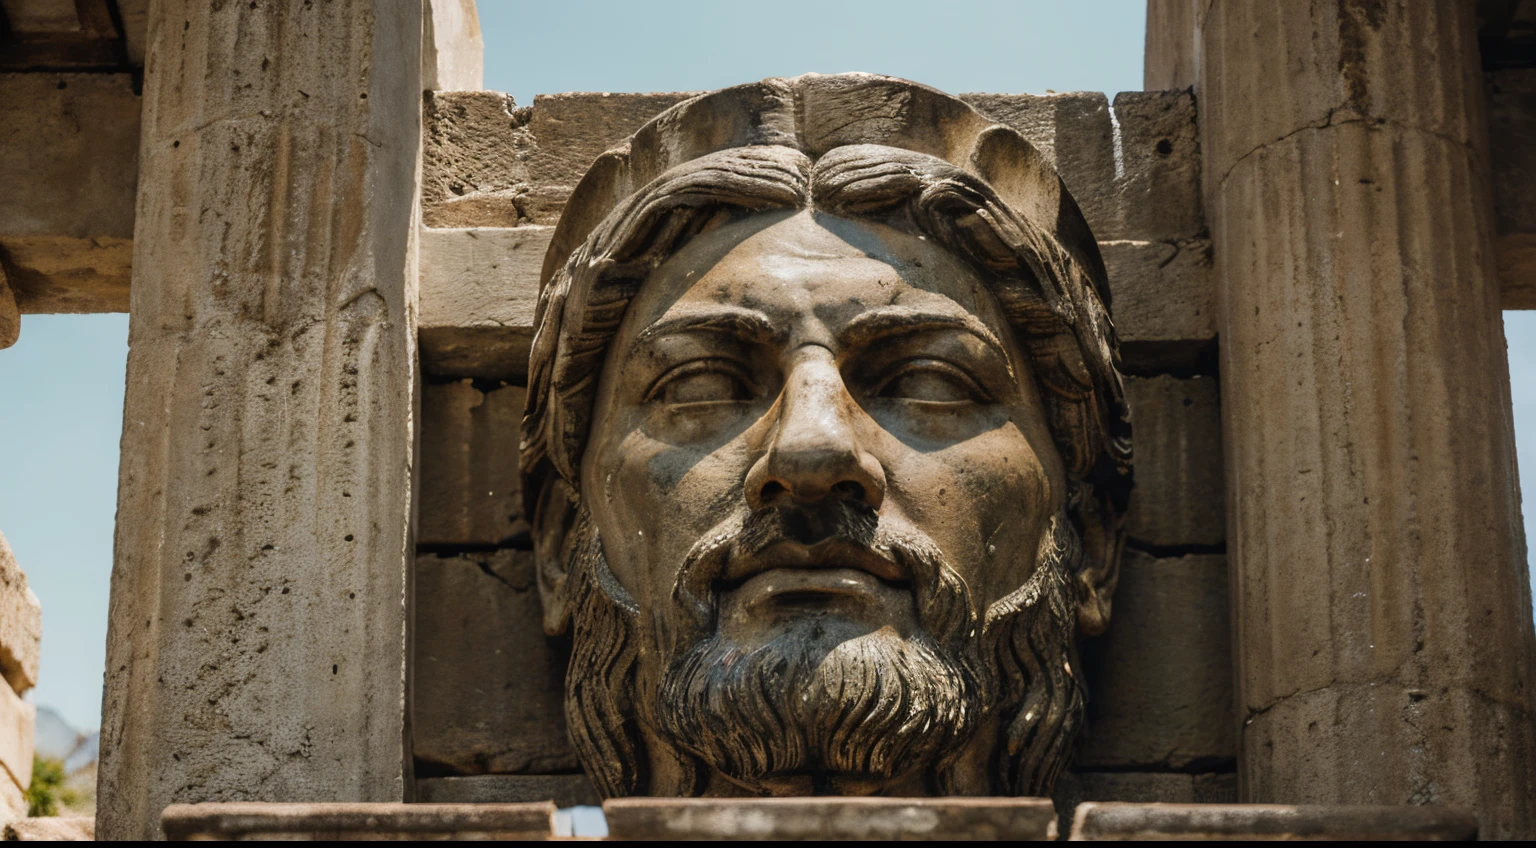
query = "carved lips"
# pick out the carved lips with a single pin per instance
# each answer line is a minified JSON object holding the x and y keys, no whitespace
{"x":829,"y":574}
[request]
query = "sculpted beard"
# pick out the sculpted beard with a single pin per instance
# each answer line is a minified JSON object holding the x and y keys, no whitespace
{"x":825,"y":695}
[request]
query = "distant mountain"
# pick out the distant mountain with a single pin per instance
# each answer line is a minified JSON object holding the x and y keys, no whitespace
{"x":55,"y":738}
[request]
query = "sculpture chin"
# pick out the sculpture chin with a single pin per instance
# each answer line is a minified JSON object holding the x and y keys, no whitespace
{"x":827,"y":702}
{"x":827,"y":696}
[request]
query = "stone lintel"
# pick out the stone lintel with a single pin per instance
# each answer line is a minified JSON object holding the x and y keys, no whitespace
{"x":1512,"y":153}
{"x":1111,"y":821}
{"x":250,"y":821}
{"x":69,"y":146}
{"x":955,"y":819}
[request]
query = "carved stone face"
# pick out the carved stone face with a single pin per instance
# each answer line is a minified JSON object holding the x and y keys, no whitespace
{"x":825,"y":449}
{"x":842,"y":405}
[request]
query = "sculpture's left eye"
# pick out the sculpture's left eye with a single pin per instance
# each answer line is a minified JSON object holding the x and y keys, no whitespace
{"x":931,"y":381}
{"x":709,"y":381}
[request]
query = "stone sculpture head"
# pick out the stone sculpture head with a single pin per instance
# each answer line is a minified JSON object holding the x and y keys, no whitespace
{"x":825,"y":447}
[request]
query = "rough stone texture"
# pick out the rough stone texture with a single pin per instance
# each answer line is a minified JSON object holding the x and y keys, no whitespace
{"x":955,"y":819}
{"x":393,"y":822}
{"x":470,"y":479}
{"x":1116,"y":822}
{"x":1512,"y":154}
{"x":21,"y":624}
{"x":69,"y":147}
{"x":1135,"y":170}
{"x":489,"y":164}
{"x":257,"y":634}
{"x":1144,"y":787}
{"x":1076,"y":787}
{"x":1179,"y":495}
{"x":453,"y":50}
{"x":1172,"y":58}
{"x":488,"y":694}
{"x":479,"y":289}
{"x":18,"y":719}
{"x":53,"y":829}
{"x":10,"y":315}
{"x":1163,"y":306}
{"x":565,"y":790}
{"x":1160,"y":680}
{"x":1383,"y":607}
{"x":490,"y":170}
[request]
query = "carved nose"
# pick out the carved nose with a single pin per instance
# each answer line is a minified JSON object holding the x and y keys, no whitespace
{"x":815,"y":451}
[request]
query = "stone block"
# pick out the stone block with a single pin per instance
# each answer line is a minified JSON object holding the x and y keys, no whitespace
{"x":470,"y":482}
{"x":1161,"y":303}
{"x":489,"y":686}
{"x":1076,"y":787}
{"x":253,"y":821}
{"x":565,"y":790}
{"x":479,"y":290}
{"x":1118,"y":822}
{"x":954,"y":819}
{"x":1074,"y":131}
{"x":572,"y":130}
{"x":1512,"y":155}
{"x":69,"y":147}
{"x":1145,"y":787}
{"x":487,"y":163}
{"x":1179,"y":499}
{"x":21,"y":624}
{"x":1134,"y":169}
{"x":1160,"y":680}
{"x":52,"y":829}
{"x":1157,"y":167}
{"x":474,"y":150}
{"x":18,"y":720}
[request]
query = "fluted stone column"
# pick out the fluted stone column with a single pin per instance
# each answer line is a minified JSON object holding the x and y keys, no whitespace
{"x":1382,"y":611}
{"x":257,"y":641}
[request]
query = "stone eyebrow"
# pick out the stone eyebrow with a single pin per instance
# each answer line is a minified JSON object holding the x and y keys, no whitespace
{"x":877,"y":323}
{"x":746,"y":324}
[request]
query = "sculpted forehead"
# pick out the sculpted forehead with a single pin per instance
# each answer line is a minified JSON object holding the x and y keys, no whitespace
{"x":812,"y":273}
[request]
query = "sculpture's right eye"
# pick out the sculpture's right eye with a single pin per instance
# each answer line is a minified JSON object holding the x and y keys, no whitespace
{"x":704,"y":381}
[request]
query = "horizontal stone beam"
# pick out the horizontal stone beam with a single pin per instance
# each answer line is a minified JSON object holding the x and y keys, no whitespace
{"x":69,"y":152}
{"x":1512,"y":149}
{"x":69,"y":147}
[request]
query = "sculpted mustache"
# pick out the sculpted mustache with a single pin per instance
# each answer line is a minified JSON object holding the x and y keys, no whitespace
{"x":942,"y":595}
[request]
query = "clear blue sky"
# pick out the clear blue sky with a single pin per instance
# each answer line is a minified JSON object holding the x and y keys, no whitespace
{"x":61,"y":386}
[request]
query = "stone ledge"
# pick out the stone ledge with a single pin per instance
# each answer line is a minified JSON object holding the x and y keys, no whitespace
{"x":1118,"y":821}
{"x":246,"y":821}
{"x":951,"y":819}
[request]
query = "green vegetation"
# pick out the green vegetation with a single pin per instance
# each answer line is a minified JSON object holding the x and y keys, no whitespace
{"x":48,"y":791}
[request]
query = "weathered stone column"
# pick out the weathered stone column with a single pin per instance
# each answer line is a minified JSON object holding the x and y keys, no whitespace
{"x":257,"y":644}
{"x":1382,"y":614}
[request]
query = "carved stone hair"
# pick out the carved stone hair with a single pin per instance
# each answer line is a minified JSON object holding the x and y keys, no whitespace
{"x":852,"y":145}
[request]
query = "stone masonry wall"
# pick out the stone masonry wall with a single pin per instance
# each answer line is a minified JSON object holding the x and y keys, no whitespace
{"x":21,"y":623}
{"x":487,"y":717}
